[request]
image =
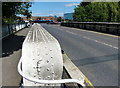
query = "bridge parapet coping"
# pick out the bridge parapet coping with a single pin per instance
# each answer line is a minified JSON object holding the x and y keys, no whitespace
{"x":41,"y":56}
{"x":38,"y":34}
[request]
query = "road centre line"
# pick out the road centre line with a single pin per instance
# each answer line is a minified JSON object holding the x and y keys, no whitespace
{"x":94,"y":39}
{"x":100,"y":42}
{"x":71,"y":33}
{"x":97,"y":32}
{"x":94,"y":32}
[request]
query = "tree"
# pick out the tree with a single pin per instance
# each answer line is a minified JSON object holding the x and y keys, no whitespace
{"x":79,"y":14}
{"x":113,"y":11}
{"x":10,"y":10}
{"x":118,"y":9}
{"x":97,"y":12}
{"x":59,"y":19}
{"x":84,"y":3}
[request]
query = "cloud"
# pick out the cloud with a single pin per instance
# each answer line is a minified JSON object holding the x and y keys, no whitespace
{"x":71,"y":4}
{"x":46,"y":14}
{"x":34,"y":14}
{"x":59,"y":14}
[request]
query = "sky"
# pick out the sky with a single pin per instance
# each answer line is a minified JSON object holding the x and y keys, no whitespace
{"x":52,"y":8}
{"x":58,"y":0}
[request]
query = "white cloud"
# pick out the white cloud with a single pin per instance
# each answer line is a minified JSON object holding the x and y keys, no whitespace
{"x":71,"y":4}
{"x":46,"y":14}
{"x":37,"y":14}
{"x":59,"y":14}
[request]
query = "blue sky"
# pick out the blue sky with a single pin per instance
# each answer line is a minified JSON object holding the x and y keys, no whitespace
{"x":52,"y":8}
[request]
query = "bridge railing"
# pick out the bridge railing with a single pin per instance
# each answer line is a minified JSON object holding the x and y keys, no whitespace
{"x":8,"y":29}
{"x":106,"y":27}
{"x":41,"y":63}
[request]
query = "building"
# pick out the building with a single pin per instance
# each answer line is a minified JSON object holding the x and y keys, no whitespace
{"x":68,"y":16}
{"x":40,"y":18}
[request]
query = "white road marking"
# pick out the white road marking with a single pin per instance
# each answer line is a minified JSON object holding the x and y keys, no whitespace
{"x":94,"y":40}
{"x":101,"y":42}
{"x":97,"y":32}
{"x":91,"y":38}
{"x":71,"y":33}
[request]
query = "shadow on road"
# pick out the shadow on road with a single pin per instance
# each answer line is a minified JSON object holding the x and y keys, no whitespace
{"x":11,"y":44}
{"x":94,"y":60}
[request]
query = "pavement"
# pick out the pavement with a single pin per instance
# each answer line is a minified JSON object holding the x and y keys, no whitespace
{"x":95,"y":54}
{"x":11,"y":53}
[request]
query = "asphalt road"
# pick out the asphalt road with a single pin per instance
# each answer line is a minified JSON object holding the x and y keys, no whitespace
{"x":11,"y":53}
{"x":96,"y":55}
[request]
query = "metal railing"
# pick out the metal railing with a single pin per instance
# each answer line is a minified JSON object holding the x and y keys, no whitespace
{"x":8,"y":29}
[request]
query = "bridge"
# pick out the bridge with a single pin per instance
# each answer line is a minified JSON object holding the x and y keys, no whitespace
{"x":93,"y":55}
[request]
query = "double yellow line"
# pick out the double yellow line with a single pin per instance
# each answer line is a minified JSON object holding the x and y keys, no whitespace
{"x":67,"y":62}
{"x":88,"y":83}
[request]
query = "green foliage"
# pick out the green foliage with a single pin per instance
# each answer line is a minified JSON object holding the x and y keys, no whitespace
{"x":97,"y":12}
{"x":10,"y":10}
{"x":59,"y":19}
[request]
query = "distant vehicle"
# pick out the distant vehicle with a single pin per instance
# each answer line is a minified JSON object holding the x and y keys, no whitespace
{"x":41,"y":21}
{"x":27,"y":23}
{"x":52,"y":22}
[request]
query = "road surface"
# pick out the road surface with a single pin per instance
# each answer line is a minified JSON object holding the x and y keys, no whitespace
{"x":96,"y":55}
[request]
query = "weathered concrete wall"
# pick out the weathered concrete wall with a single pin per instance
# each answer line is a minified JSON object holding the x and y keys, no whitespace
{"x":106,"y":27}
